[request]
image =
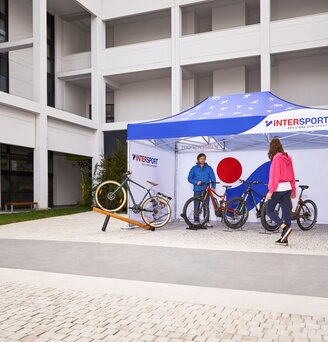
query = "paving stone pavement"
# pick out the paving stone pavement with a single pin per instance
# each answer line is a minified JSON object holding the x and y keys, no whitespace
{"x":35,"y":313}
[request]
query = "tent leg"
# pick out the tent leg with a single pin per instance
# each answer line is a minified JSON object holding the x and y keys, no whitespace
{"x":105,"y":223}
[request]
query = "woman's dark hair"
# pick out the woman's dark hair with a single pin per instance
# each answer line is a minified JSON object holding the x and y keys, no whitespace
{"x":275,"y":147}
{"x":201,"y":155}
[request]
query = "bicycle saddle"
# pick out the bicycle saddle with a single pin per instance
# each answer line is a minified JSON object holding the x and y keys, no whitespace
{"x":227,"y":186}
{"x":303,"y":187}
{"x":152,"y":183}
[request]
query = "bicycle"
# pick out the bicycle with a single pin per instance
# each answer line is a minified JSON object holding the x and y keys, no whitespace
{"x":197,"y":207}
{"x":155,"y":209}
{"x":305,"y":214}
{"x":237,"y":210}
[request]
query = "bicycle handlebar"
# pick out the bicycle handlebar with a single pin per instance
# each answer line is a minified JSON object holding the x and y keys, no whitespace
{"x":250,"y":182}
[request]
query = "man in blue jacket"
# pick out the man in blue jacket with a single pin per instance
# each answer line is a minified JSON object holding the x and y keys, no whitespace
{"x":199,"y":176}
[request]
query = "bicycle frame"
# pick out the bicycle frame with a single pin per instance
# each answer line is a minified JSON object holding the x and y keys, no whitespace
{"x":212,"y":193}
{"x":250,"y":192}
{"x":125,"y":183}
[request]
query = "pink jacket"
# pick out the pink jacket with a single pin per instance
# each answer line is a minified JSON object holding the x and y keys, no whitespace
{"x":281,"y":170}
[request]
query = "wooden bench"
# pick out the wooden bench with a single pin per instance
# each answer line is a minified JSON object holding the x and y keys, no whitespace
{"x":16,"y":204}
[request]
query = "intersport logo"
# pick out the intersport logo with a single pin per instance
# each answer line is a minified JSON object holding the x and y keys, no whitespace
{"x":299,"y":122}
{"x":145,"y":160}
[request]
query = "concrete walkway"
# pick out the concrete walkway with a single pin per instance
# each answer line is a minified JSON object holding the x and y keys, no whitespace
{"x":263,"y":272}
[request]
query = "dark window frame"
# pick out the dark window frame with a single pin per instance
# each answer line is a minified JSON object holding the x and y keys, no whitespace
{"x":4,"y":67}
{"x":50,"y":60}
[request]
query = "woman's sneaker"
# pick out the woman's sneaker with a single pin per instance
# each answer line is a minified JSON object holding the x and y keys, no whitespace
{"x":286,"y":232}
{"x":280,"y":243}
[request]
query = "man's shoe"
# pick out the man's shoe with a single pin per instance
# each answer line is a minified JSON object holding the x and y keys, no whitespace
{"x":208,"y":225}
{"x":285,"y":234}
{"x":280,"y":243}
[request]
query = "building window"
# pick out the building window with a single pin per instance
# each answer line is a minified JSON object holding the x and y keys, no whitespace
{"x":51,"y":60}
{"x":16,"y":174}
{"x":4,"y":65}
{"x":109,"y":112}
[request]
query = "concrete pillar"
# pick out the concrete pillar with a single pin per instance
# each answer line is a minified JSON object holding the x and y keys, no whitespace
{"x":40,"y":95}
{"x":229,"y":81}
{"x":98,"y":86}
{"x":176,"y":74}
{"x":265,"y":15}
{"x":59,"y":84}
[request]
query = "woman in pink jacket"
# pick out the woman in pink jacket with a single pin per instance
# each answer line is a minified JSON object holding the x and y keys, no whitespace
{"x":281,"y":188}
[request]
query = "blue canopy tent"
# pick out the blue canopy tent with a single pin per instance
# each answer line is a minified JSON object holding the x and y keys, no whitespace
{"x":232,"y":123}
{"x":237,"y":121}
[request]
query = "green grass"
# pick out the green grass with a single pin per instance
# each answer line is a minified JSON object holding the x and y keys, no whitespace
{"x":40,"y":214}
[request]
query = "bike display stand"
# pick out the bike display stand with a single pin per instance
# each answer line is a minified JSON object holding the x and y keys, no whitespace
{"x":229,"y":230}
{"x":269,"y":233}
{"x":119,"y":217}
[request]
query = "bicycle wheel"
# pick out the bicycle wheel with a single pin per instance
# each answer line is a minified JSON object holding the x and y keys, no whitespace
{"x":267,"y":223}
{"x":110,"y":196}
{"x":235,"y":213}
{"x":307,"y":215}
{"x":195,"y":209}
{"x":156,"y":211}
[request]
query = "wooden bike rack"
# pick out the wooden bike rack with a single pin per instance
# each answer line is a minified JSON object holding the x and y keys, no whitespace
{"x":119,"y":217}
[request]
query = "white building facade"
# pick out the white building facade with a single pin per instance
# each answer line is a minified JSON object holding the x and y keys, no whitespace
{"x":74,"y":73}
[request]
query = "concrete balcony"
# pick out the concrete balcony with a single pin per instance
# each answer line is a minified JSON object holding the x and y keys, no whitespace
{"x":300,"y":33}
{"x":76,"y":61}
{"x":221,"y":45}
{"x":137,"y":57}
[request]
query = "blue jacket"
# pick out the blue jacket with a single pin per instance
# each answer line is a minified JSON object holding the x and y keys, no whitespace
{"x":204,"y":174}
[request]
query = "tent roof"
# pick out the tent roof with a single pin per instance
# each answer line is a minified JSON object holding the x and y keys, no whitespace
{"x":223,"y":117}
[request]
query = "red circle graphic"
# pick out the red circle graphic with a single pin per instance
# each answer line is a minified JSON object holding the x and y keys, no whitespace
{"x":229,"y":170}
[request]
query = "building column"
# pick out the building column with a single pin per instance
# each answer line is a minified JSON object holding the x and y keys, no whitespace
{"x":40,"y":95}
{"x":265,"y":15}
{"x":98,"y":86}
{"x":176,"y":73}
{"x":59,"y":84}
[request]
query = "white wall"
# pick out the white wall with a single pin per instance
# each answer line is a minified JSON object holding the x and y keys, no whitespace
{"x":229,"y":81}
{"x":75,"y":38}
{"x":69,"y":138}
{"x":227,"y":16}
{"x":253,"y":80}
{"x":205,"y":88}
{"x":301,"y":80}
{"x":66,"y":181}
{"x":138,"y":31}
{"x":20,"y":19}
{"x":143,"y":100}
{"x":189,"y":23}
{"x":189,"y":95}
{"x":20,"y":26}
{"x":282,"y":9}
{"x":17,"y":127}
{"x":76,"y":99}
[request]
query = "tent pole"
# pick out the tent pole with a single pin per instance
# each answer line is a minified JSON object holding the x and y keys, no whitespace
{"x":128,"y":169}
{"x":175,"y":181}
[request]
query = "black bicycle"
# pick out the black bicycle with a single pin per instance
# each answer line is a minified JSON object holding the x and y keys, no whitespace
{"x":305,"y":213}
{"x":236,"y":210}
